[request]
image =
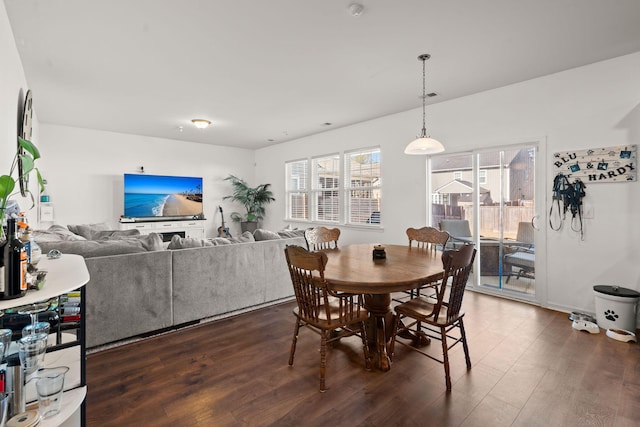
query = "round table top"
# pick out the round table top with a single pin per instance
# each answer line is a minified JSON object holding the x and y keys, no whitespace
{"x":353,"y":269}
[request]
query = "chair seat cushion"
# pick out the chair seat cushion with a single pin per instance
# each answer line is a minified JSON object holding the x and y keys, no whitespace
{"x":422,"y":309}
{"x":521,"y":259}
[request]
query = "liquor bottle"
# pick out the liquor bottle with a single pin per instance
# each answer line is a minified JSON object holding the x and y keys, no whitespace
{"x":24,"y":234}
{"x":15,"y":269}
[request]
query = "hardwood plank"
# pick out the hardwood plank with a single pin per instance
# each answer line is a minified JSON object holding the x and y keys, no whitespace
{"x":530,"y":368}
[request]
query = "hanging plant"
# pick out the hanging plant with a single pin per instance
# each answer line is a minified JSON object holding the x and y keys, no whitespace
{"x":26,"y":156}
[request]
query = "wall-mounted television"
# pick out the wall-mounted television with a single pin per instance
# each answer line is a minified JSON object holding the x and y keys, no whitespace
{"x":162,"y":197}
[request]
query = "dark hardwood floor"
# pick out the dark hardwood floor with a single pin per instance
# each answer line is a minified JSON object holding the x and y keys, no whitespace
{"x":530,"y":368}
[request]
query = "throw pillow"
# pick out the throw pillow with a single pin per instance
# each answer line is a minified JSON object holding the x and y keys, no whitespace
{"x":178,"y":242}
{"x":261,"y":234}
{"x":287,"y":234}
{"x":87,"y":230}
{"x":55,"y":233}
{"x":114,"y":234}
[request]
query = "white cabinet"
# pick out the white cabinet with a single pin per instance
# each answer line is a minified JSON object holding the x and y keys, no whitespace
{"x":189,"y":228}
{"x":65,"y":274}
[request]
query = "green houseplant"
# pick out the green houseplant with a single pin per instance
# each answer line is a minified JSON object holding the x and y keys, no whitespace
{"x":253,"y":199}
{"x":26,"y":155}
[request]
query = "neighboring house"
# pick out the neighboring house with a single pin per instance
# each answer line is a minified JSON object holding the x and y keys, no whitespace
{"x":452,"y":178}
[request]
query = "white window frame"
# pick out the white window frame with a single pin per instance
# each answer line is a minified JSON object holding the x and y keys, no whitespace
{"x":317,"y":190}
{"x":291,"y":192}
{"x":344,"y":190}
{"x":372,"y":219}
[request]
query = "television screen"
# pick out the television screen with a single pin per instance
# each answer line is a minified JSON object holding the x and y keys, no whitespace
{"x":155,"y":196}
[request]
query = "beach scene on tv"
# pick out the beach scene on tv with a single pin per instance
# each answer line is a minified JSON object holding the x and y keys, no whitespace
{"x":148,"y":196}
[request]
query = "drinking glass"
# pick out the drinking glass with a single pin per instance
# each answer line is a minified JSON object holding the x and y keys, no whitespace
{"x":36,"y":328}
{"x":33,"y":310}
{"x":31,"y":350}
{"x":49,"y":385}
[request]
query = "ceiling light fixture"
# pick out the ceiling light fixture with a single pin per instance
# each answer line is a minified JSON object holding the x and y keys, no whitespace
{"x":201,"y":123}
{"x":424,"y":144}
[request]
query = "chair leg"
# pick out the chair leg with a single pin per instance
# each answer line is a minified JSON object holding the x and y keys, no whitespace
{"x":392,"y":344}
{"x":323,"y":359}
{"x":445,"y":358}
{"x":463,"y":335}
{"x":294,"y":341}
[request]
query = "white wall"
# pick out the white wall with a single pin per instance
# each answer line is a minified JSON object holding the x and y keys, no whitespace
{"x":592,"y":106}
{"x":84,"y":170}
{"x":13,"y":88}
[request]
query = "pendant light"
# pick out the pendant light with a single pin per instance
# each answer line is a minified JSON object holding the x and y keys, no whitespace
{"x":424,"y":144}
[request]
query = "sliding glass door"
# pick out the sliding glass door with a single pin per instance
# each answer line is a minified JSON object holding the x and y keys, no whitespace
{"x":490,"y":195}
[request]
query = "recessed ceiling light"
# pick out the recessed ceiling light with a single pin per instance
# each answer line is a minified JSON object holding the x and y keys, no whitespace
{"x":201,"y":123}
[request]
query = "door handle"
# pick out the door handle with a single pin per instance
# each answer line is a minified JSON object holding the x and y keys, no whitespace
{"x":533,"y":222}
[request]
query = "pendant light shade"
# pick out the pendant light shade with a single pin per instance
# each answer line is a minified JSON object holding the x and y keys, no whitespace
{"x":424,"y":144}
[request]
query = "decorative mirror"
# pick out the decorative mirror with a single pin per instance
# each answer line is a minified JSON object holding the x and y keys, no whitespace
{"x":25,"y":133}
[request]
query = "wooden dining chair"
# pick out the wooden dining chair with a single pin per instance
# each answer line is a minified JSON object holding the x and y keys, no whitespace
{"x":439,"y":318}
{"x":322,"y":238}
{"x":331,"y":314}
{"x":430,"y":240}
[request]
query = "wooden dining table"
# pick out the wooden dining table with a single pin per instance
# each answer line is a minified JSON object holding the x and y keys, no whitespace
{"x":353,"y":269}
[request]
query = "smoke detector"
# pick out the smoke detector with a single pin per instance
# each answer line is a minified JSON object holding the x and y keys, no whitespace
{"x":356,"y":9}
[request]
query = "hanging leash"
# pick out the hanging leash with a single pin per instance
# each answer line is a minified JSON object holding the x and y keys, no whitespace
{"x":571,"y":195}
{"x":560,"y":185}
{"x":576,"y":194}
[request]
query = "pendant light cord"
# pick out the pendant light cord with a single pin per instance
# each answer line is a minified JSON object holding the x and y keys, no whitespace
{"x":424,"y":97}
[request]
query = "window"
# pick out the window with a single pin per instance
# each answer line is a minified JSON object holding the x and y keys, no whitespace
{"x":325,"y":191}
{"x":297,"y":194}
{"x":483,"y":176}
{"x":317,"y":189}
{"x":457,"y":175}
{"x":362,"y":187}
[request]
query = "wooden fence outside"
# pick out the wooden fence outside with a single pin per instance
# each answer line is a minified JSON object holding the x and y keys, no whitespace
{"x":489,"y":217}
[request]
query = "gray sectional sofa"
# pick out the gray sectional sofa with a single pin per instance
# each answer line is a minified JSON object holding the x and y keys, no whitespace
{"x":150,"y":288}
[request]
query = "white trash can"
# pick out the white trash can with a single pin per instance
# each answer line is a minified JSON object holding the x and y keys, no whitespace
{"x":616,"y":307}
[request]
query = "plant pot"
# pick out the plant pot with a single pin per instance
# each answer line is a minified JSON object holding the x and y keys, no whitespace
{"x":249,"y":226}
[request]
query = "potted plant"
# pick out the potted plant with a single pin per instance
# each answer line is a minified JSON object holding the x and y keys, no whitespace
{"x":26,"y":155}
{"x":253,"y":200}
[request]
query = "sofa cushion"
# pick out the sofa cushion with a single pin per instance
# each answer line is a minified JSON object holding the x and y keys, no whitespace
{"x":243,"y":238}
{"x":95,"y":248}
{"x":217,"y":241}
{"x":261,"y":234}
{"x":87,"y":230}
{"x":55,"y":233}
{"x":178,"y":242}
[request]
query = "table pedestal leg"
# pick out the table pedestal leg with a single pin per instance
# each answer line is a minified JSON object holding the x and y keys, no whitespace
{"x":380,"y":324}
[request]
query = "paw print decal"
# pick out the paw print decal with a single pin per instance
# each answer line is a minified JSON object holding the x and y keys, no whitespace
{"x":610,"y":315}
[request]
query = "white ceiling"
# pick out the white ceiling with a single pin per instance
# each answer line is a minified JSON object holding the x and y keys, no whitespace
{"x":268,"y":71}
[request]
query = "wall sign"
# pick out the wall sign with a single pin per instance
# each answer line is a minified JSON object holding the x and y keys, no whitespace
{"x":608,"y":164}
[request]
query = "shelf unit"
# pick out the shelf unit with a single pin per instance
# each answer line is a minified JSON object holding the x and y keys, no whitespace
{"x":65,"y":274}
